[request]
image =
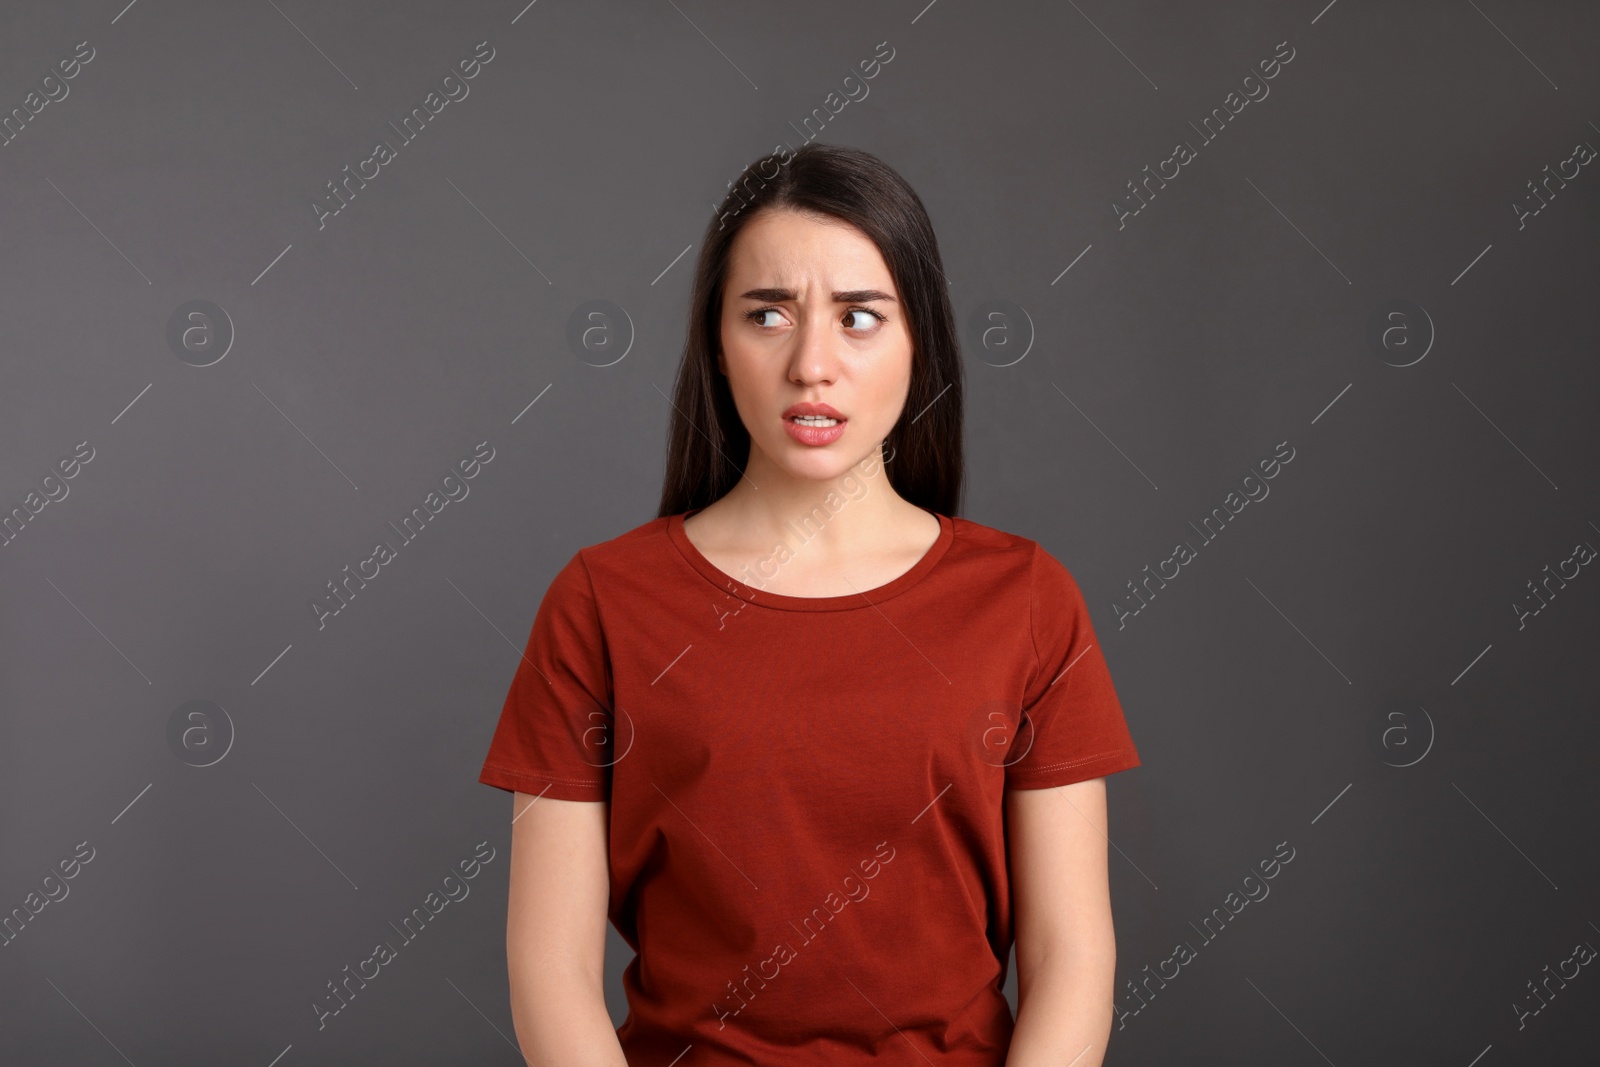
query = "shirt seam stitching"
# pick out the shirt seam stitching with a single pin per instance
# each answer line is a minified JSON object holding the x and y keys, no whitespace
{"x":1033,"y":640}
{"x":600,"y":628}
{"x":537,"y":776}
{"x":756,"y":593}
{"x":1073,"y":763}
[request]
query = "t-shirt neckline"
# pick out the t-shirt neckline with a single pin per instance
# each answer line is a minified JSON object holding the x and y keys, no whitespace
{"x":864,"y":599}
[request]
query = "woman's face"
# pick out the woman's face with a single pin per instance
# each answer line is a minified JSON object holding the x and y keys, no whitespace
{"x":810,"y":315}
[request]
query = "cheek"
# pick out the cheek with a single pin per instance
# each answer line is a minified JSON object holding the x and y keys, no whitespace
{"x":892,"y":382}
{"x":750,"y":388}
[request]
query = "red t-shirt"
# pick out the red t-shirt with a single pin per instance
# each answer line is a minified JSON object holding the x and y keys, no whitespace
{"x":807,"y":839}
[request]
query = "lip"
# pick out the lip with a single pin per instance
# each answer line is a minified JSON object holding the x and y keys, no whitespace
{"x":814,"y":436}
{"x":813,"y":409}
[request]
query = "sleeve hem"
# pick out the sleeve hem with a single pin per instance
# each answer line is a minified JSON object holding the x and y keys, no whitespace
{"x":543,"y":785}
{"x":1075,"y":771}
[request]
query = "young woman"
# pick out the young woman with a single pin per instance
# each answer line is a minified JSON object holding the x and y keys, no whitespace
{"x":818,"y":748}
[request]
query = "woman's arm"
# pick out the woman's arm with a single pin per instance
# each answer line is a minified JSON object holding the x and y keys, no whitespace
{"x":556,"y":933}
{"x":1061,"y":900}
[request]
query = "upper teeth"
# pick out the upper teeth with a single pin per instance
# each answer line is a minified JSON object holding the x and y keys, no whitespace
{"x":816,"y":420}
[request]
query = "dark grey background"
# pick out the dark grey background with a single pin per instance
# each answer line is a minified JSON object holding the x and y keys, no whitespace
{"x":1374,"y":587}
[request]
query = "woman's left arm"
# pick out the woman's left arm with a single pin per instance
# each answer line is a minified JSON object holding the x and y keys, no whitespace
{"x":1061,"y":902}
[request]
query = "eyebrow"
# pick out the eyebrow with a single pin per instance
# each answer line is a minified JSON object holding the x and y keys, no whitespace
{"x":848,"y":296}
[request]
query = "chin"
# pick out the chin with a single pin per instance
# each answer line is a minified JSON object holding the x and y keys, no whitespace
{"x":815,"y":468}
{"x":820,"y":464}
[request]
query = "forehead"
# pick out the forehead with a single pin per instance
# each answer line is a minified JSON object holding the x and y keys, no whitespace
{"x":788,"y":249}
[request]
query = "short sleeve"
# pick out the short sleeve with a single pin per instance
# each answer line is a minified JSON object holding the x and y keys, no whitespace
{"x":554,"y":737}
{"x":1072,"y":724}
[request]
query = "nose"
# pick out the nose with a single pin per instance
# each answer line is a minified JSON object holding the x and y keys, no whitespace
{"x":814,"y":358}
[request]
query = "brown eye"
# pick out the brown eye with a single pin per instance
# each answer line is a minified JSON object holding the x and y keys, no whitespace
{"x":756,"y":314}
{"x":869,"y":313}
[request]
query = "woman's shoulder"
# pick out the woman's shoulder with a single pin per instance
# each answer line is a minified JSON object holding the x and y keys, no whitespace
{"x":976,"y":537}
{"x":630,"y":539}
{"x":639,"y":546}
{"x":595,"y":567}
{"x":1024,"y":556}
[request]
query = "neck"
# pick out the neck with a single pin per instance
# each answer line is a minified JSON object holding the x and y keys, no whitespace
{"x":840,"y":516}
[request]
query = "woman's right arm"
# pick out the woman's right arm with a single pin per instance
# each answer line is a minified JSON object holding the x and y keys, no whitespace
{"x":556,"y":933}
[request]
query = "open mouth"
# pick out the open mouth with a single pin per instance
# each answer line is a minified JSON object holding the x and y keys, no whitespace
{"x":815,"y":429}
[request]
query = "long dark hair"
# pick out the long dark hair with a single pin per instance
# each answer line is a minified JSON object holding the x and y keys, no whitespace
{"x":707,"y":443}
